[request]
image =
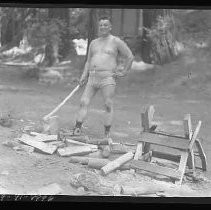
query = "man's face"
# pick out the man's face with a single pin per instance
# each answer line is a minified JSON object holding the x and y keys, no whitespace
{"x":104,"y":27}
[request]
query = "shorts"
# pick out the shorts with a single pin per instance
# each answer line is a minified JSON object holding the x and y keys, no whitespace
{"x":99,"y":80}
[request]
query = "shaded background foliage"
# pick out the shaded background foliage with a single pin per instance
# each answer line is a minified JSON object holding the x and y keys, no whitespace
{"x":53,"y":29}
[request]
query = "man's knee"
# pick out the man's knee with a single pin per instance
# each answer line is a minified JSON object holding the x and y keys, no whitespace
{"x":108,"y":105}
{"x":84,"y":102}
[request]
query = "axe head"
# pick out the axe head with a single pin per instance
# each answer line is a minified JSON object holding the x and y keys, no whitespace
{"x":51,"y":125}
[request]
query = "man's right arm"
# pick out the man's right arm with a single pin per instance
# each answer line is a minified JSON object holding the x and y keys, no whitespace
{"x":85,"y":74}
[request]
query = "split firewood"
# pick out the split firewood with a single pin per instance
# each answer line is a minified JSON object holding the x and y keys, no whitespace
{"x":75,"y":150}
{"x":27,"y":139}
{"x":78,"y":159}
{"x":111,"y":166}
{"x":52,"y":189}
{"x":97,"y":154}
{"x":91,"y":182}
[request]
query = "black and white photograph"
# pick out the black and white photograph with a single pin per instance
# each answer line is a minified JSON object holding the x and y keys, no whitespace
{"x":105,"y":101}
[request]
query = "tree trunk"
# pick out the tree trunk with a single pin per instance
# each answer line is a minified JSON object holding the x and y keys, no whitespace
{"x":92,"y":27}
{"x":158,"y":48}
{"x":61,"y":49}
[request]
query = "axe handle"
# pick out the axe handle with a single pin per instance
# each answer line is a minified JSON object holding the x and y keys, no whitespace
{"x":62,"y":103}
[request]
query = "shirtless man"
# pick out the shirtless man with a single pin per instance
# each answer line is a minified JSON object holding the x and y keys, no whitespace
{"x":101,"y":71}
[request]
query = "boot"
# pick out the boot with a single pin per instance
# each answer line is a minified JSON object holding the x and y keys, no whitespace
{"x":77,"y":130}
{"x":107,"y":131}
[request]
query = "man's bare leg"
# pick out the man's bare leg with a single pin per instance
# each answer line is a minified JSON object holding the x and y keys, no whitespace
{"x":88,"y":94}
{"x":108,"y":94}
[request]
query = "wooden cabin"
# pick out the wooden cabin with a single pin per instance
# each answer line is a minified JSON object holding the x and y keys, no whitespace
{"x":126,"y":22}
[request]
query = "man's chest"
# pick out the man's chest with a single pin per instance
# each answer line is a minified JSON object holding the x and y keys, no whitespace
{"x":106,"y":47}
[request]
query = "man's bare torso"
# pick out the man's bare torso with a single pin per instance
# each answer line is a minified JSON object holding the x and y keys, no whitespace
{"x":104,"y":54}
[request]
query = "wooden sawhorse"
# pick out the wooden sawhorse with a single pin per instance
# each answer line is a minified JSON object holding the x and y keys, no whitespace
{"x":183,"y":145}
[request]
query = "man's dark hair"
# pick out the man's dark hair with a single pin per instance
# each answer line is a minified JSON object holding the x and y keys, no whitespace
{"x":105,"y":18}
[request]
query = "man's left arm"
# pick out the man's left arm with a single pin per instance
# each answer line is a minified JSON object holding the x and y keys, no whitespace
{"x":125,"y":51}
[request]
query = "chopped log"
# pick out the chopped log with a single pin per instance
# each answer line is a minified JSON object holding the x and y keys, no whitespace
{"x":135,"y":191}
{"x":97,"y":154}
{"x":98,"y":163}
{"x":75,"y":150}
{"x":49,"y":149}
{"x":117,"y":163}
{"x":52,"y":189}
{"x":79,"y":159}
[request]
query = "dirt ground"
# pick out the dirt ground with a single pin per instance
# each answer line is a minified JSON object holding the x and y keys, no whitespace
{"x":172,"y":89}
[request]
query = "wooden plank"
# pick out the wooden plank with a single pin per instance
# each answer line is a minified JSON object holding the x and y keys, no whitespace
{"x":162,"y":133}
{"x":75,"y":150}
{"x":150,"y":114}
{"x":142,"y":165}
{"x":182,"y":166}
{"x":87,"y":140}
{"x":188,"y":134}
{"x":49,"y":149}
{"x":201,"y":154}
{"x":194,"y":136}
{"x":70,"y":141}
{"x":164,"y":141}
{"x":187,"y":126}
{"x":139,"y":151}
{"x":147,"y":118}
{"x":43,"y":137}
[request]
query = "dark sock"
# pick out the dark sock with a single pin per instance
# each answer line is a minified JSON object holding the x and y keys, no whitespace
{"x":107,"y":128}
{"x":78,"y":124}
